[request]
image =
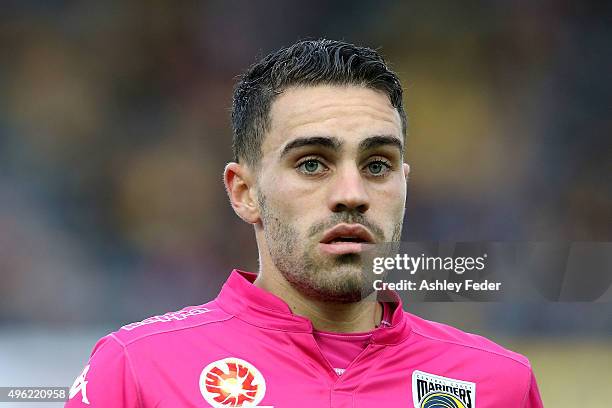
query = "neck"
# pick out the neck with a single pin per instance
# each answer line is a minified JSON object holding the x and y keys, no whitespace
{"x":359,"y":316}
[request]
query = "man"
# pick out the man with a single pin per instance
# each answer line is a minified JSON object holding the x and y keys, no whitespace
{"x":318,"y":139}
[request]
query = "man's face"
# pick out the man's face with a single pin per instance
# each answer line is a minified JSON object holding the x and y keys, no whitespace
{"x":331,"y":178}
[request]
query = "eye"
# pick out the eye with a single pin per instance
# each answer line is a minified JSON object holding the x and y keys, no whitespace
{"x":311,"y":167}
{"x":378,"y":168}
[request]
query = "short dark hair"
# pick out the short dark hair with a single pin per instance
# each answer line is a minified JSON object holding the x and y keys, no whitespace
{"x":307,"y":62}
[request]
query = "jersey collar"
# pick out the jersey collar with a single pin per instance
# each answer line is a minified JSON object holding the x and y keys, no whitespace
{"x":261,"y":308}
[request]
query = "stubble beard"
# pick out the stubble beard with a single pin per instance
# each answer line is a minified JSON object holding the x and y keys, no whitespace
{"x":339,"y":279}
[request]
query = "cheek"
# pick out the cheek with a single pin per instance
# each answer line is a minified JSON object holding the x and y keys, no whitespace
{"x":392,"y":193}
{"x":293,"y":196}
{"x":388,"y":201}
{"x":285,"y":203}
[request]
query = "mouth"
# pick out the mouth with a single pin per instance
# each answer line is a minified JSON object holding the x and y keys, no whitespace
{"x":345,"y":239}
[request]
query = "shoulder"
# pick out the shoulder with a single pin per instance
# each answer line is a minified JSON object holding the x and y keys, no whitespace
{"x":172,"y":324}
{"x":111,"y":372}
{"x":458,"y":341}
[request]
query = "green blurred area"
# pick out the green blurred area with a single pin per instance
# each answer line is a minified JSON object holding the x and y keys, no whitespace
{"x":570,"y":373}
{"x":115,"y":128}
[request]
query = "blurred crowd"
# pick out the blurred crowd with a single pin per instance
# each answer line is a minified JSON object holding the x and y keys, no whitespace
{"x":114,"y":130}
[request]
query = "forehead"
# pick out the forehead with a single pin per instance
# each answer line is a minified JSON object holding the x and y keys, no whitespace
{"x":350,"y":113}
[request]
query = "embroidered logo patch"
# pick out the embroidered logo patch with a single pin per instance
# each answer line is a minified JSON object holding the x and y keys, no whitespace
{"x":232,"y":382}
{"x":430,"y":391}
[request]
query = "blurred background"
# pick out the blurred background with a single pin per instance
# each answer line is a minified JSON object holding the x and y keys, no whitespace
{"x":114,"y":130}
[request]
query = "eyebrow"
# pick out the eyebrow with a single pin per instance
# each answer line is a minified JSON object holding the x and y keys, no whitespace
{"x":331,"y":143}
{"x":381,"y":140}
{"x":335,"y":144}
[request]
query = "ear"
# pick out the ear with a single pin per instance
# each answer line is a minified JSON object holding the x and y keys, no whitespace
{"x":239,"y":187}
{"x":406,"y":168}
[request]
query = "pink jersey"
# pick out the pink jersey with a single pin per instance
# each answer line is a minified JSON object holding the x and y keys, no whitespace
{"x":247,"y":349}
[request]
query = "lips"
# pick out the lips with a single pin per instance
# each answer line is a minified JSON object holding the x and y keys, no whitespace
{"x":345,"y":239}
{"x":347,"y":233}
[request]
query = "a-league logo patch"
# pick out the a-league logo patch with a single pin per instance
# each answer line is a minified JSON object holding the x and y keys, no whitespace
{"x":430,"y":390}
{"x":232,"y":382}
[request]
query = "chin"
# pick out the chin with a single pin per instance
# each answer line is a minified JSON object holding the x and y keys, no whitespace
{"x":343,"y":285}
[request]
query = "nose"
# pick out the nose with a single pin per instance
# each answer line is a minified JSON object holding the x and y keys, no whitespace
{"x":348,"y":192}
